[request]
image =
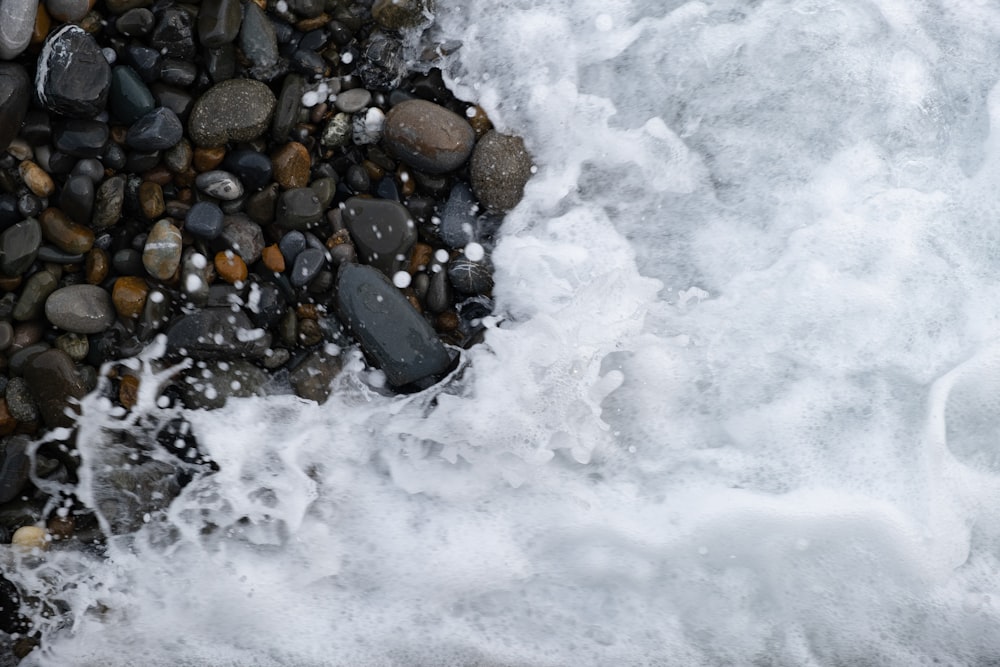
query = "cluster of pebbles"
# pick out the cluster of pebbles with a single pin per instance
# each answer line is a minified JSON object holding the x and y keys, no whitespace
{"x":261,"y":185}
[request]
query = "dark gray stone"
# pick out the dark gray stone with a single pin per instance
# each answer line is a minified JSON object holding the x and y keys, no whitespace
{"x":81,"y":138}
{"x":136,"y":22}
{"x":299,"y":208}
{"x":381,"y":230}
{"x":219,"y":22}
{"x":173,"y":36}
{"x":77,"y":198}
{"x":130,"y":98}
{"x":307,"y":266}
{"x":15,"y":470}
{"x":158,"y":130}
{"x":291,"y":244}
{"x":394,"y":335}
{"x":215,"y":333}
{"x":57,"y":388}
{"x":15,"y":92}
{"x":73,"y":77}
{"x":458,"y":218}
{"x":243,"y":236}
{"x":204,"y":220}
{"x":258,"y":41}
{"x":234,"y":110}
{"x":19,"y":246}
{"x":84,"y":309}
{"x":311,"y":378}
{"x":470,"y":277}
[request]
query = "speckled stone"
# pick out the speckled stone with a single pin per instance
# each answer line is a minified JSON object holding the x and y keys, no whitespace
{"x":83,"y":309}
{"x":399,"y":14}
{"x":234,"y":110}
{"x":428,"y":136}
{"x":243,"y":236}
{"x":108,"y":202}
{"x":162,"y":253}
{"x":500,"y":168}
{"x":36,"y":289}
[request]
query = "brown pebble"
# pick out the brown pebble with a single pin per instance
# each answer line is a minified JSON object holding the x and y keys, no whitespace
{"x":128,"y":391}
{"x":129,"y":296}
{"x":310,"y":332}
{"x":118,"y":133}
{"x":307,"y":311}
{"x":446,"y":321}
{"x":61,"y":527}
{"x":414,"y":301}
{"x":96,"y":266}
{"x":59,"y":230}
{"x":375,"y":172}
{"x":7,"y":421}
{"x":314,"y":23}
{"x":42,"y":24}
{"x":159,"y":175}
{"x":230,"y":266}
{"x":151,"y":199}
{"x":273,"y":259}
{"x":9,"y":283}
{"x":185,"y":180}
{"x":40,"y":183}
{"x":478,"y":119}
{"x":291,"y":164}
{"x":207,"y":159}
{"x":420,"y":257}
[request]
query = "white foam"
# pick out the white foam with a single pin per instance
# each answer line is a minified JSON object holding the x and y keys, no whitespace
{"x":737,"y":406}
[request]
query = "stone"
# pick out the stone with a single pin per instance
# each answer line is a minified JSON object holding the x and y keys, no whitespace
{"x":353,"y":100}
{"x":76,"y":346}
{"x":20,"y":402}
{"x":458,"y":217}
{"x":291,"y":164}
{"x":298,"y":208}
{"x":428,"y":136}
{"x":243,"y":236}
{"x":130,"y":98}
{"x":307,"y":266}
{"x":17,"y":23}
{"x":253,"y":169}
{"x":7,"y":425}
{"x":291,"y":244}
{"x":258,"y":41}
{"x":394,"y":335}
{"x":273,"y":259}
{"x":439,"y":293}
{"x":136,"y":22}
{"x":196,"y":277}
{"x":470,"y":277}
{"x":54,"y":383}
{"x":219,"y":22}
{"x":109,"y":202}
{"x":128,"y":262}
{"x":211,"y":386}
{"x":207,"y":159}
{"x":232,"y":111}
{"x":219,"y":184}
{"x":337,"y":132}
{"x":151,"y":200}
{"x":161,"y":255}
{"x":73,"y":77}
{"x":77,"y":198}
{"x":96,"y":266}
{"x":68,"y":11}
{"x":81,"y":138}
{"x":204,"y":220}
{"x":230,"y":267}
{"x":15,"y":93}
{"x":287,"y":106}
{"x":19,"y":246}
{"x":179,"y":158}
{"x":40,"y":183}
{"x":30,"y":537}
{"x":500,"y":168}
{"x":158,"y":130}
{"x":382,"y":64}
{"x":213,"y":333}
{"x":180,"y":73}
{"x":6,"y":335}
{"x":382,"y":231}
{"x":83,"y":309}
{"x":173,"y":35}
{"x":400,"y":14}
{"x":36,"y":289}
{"x":61,"y":231}
{"x":312,"y":377}
{"x":129,"y":296}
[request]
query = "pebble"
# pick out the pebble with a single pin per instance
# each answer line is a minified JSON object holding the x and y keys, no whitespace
{"x":253,"y":169}
{"x":77,"y":198}
{"x":73,"y":76}
{"x":389,"y":330}
{"x":353,"y":100}
{"x":258,"y":41}
{"x":291,"y":164}
{"x":173,"y":35}
{"x":17,"y":23}
{"x":210,"y":387}
{"x":214,"y":118}
{"x":35,"y":291}
{"x":76,"y":346}
{"x":298,"y":208}
{"x":273,"y":259}
{"x":500,"y":168}
{"x":19,"y":246}
{"x":219,"y":184}
{"x":83,"y":309}
{"x":61,"y":231}
{"x":337,"y":132}
{"x":158,"y":130}
{"x":15,"y":92}
{"x":136,"y":22}
{"x":39,"y":182}
{"x":20,"y":402}
{"x":130,"y":98}
{"x":6,"y":335}
{"x":81,"y":138}
{"x":30,"y":537}
{"x":129,"y":296}
{"x":307,"y":266}
{"x":243,"y":236}
{"x":151,"y":200}
{"x":108,"y":202}
{"x":219,"y":22}
{"x":312,"y":377}
{"x":381,"y":230}
{"x":470,"y":277}
{"x":96,"y":266}
{"x":214,"y":333}
{"x":53,"y":381}
{"x":68,"y":11}
{"x":161,"y":254}
{"x":399,"y":14}
{"x":204,"y":220}
{"x":458,"y":217}
{"x":231,"y":267}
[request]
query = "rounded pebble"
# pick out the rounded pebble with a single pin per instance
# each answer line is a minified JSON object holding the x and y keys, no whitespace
{"x":84,"y":309}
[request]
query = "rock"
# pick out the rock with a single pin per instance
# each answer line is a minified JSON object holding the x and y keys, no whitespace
{"x":173,"y":35}
{"x":20,"y":402}
{"x":15,"y":92}
{"x":81,"y":138}
{"x":30,"y":537}
{"x":158,"y":130}
{"x":136,"y":22}
{"x":219,"y":22}
{"x":381,"y":230}
{"x":307,"y":266}
{"x":243,"y":236}
{"x":394,"y":335}
{"x":180,"y":73}
{"x":54,"y":383}
{"x":470,"y":277}
{"x":68,"y":236}
{"x":439,"y":293}
{"x":17,"y":23}
{"x":19,"y":246}
{"x":312,"y":377}
{"x":291,"y":164}
{"x":6,"y":335}
{"x":273,"y":259}
{"x":299,"y":208}
{"x":353,"y":100}
{"x":230,"y":267}
{"x":337,"y":131}
{"x":500,"y":168}
{"x":151,"y":200}
{"x":428,"y":136}
{"x":258,"y":41}
{"x":253,"y":169}
{"x":219,"y":184}
{"x":130,"y":98}
{"x":162,"y":253}
{"x":204,"y":220}
{"x":15,"y":471}
{"x":382,"y":66}
{"x":288,"y":104}
{"x":399,"y":14}
{"x":35,"y":291}
{"x":39,"y":182}
{"x":73,"y":77}
{"x":109,"y":201}
{"x":96,"y":266}
{"x":234,"y":110}
{"x":458,"y":217}
{"x":77,"y":198}
{"x":210,"y":387}
{"x":214,"y":333}
{"x":291,"y":244}
{"x":126,"y":491}
{"x":68,"y":11}
{"x":76,"y":346}
{"x":83,"y":309}
{"x":129,"y":296}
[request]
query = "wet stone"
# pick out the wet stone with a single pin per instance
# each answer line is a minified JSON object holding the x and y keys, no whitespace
{"x":211,"y":386}
{"x":130,"y":98}
{"x":77,"y":198}
{"x":204,"y":220}
{"x":6,"y":335}
{"x":291,"y":164}
{"x":307,"y":266}
{"x":231,"y":111}
{"x":39,"y":182}
{"x":337,"y":132}
{"x":178,"y":73}
{"x":109,"y":201}
{"x":128,"y":262}
{"x":129,"y":296}
{"x":439,"y":293}
{"x":83,"y":309}
{"x":219,"y":184}
{"x":19,"y":246}
{"x":219,"y":22}
{"x":500,"y":168}
{"x":353,"y":100}
{"x":135,"y":22}
{"x":162,"y":253}
{"x":81,"y":138}
{"x":173,"y":36}
{"x":15,"y":469}
{"x":178,"y":158}
{"x":52,"y":255}
{"x":96,"y":266}
{"x":53,"y":382}
{"x":299,"y":208}
{"x":15,"y":93}
{"x":287,"y":106}
{"x":273,"y":259}
{"x":68,"y":11}
{"x":258,"y":41}
{"x":312,"y":377}
{"x":217,"y":333}
{"x":73,"y":76}
{"x":470,"y":277}
{"x":252,"y":168}
{"x":390,"y":331}
{"x":31,"y":302}
{"x":381,"y":230}
{"x":428,"y":136}
{"x":291,"y":244}
{"x":156,"y":131}
{"x":151,"y":200}
{"x":399,"y":14}
{"x":61,"y":231}
{"x":243,"y":236}
{"x":382,"y":66}
{"x":230,"y":267}
{"x":17,"y":24}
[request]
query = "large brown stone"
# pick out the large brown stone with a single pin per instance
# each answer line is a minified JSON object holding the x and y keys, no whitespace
{"x":60,"y":231}
{"x":428,"y":137}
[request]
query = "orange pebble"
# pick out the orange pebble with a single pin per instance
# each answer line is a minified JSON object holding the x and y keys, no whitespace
{"x":273,"y":259}
{"x":129,"y":296}
{"x":128,"y":391}
{"x":230,"y":266}
{"x":42,"y":24}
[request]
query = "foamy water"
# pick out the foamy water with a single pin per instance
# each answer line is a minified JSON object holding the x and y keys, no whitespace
{"x":740,"y":404}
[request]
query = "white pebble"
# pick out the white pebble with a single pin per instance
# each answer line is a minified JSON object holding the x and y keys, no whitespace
{"x":401,"y":279}
{"x":310,"y":98}
{"x":474,"y":251}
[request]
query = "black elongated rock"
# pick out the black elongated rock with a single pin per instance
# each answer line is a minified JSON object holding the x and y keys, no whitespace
{"x":15,"y":91}
{"x":73,"y":77}
{"x":394,"y":335}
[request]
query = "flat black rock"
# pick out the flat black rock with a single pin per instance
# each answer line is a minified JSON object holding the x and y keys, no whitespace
{"x":15,"y":91}
{"x":217,"y":333}
{"x":73,"y":77}
{"x":382,"y":231}
{"x":394,"y":335}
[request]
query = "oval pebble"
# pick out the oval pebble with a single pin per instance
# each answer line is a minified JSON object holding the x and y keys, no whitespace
{"x":83,"y":309}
